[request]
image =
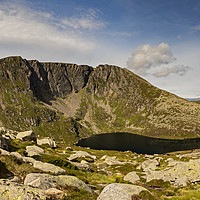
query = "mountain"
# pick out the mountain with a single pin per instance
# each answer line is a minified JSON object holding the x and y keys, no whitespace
{"x":69,"y":102}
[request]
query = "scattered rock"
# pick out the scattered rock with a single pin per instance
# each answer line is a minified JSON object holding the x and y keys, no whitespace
{"x":179,"y":174}
{"x":27,"y":136}
{"x":150,"y":164}
{"x":48,"y":141}
{"x":54,"y":194}
{"x":17,"y":156}
{"x":117,"y":191}
{"x":111,"y":160}
{"x":47,"y":167}
{"x":132,"y":177}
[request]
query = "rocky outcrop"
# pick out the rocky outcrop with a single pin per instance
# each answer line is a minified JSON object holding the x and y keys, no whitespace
{"x":11,"y":190}
{"x":57,"y":79}
{"x":116,"y":191}
{"x":179,"y":174}
{"x":27,"y":136}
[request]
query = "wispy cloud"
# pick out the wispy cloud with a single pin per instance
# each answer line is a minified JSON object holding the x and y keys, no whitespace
{"x":196,"y":28}
{"x":88,"y":20}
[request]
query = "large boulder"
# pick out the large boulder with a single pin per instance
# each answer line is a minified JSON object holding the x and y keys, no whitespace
{"x":42,"y":181}
{"x":46,"y":181}
{"x":34,"y":151}
{"x":64,"y":180}
{"x":47,"y":167}
{"x":27,"y":136}
{"x":11,"y":190}
{"x":132,"y":177}
{"x":48,"y":141}
{"x":117,"y":191}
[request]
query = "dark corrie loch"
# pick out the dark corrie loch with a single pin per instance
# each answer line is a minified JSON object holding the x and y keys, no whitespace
{"x":137,"y":143}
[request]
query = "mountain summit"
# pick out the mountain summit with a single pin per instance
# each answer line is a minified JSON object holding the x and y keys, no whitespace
{"x":70,"y":101}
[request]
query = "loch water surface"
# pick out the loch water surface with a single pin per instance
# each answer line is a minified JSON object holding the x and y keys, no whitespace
{"x":137,"y":143}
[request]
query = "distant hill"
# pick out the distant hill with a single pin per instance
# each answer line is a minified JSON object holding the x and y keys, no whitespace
{"x":69,"y":101}
{"x":193,"y":99}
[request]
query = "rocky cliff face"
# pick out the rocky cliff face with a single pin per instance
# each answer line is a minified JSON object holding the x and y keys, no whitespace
{"x":71,"y":101}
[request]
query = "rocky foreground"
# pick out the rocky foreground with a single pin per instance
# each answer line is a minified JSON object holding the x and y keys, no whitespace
{"x":37,"y":168}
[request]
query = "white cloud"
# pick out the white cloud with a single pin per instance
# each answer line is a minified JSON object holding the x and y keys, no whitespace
{"x":146,"y":57}
{"x":177,"y":69}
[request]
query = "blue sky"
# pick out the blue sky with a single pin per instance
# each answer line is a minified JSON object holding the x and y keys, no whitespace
{"x":156,"y":39}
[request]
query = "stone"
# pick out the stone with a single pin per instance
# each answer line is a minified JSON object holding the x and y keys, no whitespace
{"x":27,"y":136}
{"x":17,"y":156}
{"x":28,"y":160}
{"x":64,"y":180}
{"x":54,"y":194}
{"x":35,"y":149}
{"x":4,"y":152}
{"x":12,"y":190}
{"x":48,"y":141}
{"x":118,"y":191}
{"x":111,"y":160}
{"x":150,"y":164}
{"x":47,"y":167}
{"x":42,"y":181}
{"x":82,"y":166}
{"x":69,"y":148}
{"x":80,"y":154}
{"x":132,"y":177}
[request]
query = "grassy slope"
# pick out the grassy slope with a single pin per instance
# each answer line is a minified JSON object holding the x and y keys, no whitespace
{"x":114,"y":100}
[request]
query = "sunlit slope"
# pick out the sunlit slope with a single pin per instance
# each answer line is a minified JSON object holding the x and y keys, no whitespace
{"x":69,"y":102}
